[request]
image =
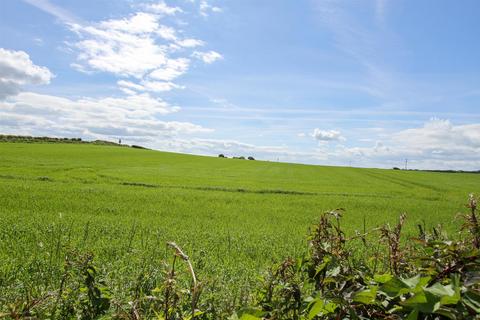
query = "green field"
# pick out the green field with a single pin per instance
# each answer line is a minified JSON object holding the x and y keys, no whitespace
{"x":232,"y":217}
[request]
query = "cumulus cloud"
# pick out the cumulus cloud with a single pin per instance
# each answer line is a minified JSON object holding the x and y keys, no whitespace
{"x":135,"y":116}
{"x":207,"y":57}
{"x":439,"y":134}
{"x":16,"y":70}
{"x":122,"y":47}
{"x":140,"y":47}
{"x":438,"y":144}
{"x":327,"y":135}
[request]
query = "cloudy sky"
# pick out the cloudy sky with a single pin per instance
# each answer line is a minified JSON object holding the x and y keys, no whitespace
{"x":364,"y":83}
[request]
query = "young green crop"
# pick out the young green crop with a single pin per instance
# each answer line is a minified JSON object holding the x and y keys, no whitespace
{"x":232,"y":217}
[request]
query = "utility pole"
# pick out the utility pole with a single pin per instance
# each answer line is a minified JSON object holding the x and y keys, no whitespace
{"x":406,"y":164}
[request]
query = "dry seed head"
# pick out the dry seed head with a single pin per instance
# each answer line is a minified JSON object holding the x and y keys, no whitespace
{"x":178,"y":251}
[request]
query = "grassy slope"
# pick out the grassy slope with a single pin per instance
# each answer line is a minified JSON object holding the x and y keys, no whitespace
{"x":232,"y":216}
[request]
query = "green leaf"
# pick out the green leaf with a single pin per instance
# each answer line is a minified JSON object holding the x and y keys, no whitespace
{"x":255,"y":312}
{"x":330,"y":307}
{"x":446,"y":293}
{"x":367,"y":296}
{"x":423,"y":301}
{"x":316,"y":308}
{"x":196,"y":314}
{"x":416,"y":282}
{"x":321,"y":267}
{"x":394,"y":287}
{"x":382,"y":278}
{"x":320,"y":308}
{"x":413,"y":315}
{"x":249,"y":317}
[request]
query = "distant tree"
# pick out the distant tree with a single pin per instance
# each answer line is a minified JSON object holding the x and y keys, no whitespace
{"x":221,"y":155}
{"x":251,"y":158}
{"x":396,"y":168}
{"x":241,"y":158}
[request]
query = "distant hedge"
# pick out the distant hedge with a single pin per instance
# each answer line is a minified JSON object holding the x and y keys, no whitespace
{"x":31,"y":139}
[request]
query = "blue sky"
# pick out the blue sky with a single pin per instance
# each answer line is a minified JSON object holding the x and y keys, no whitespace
{"x":361,"y":83}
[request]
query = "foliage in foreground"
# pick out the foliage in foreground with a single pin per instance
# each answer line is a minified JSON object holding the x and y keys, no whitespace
{"x":372,"y":275}
{"x":430,"y":277}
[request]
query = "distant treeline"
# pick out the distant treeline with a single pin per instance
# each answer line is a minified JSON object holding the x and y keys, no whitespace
{"x":30,"y":139}
{"x":451,"y":171}
{"x":444,"y":171}
{"x":221,"y":155}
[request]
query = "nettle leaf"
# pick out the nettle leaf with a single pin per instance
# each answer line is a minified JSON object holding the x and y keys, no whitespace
{"x":367,"y":296}
{"x":319,"y":308}
{"x":382,"y":278}
{"x":446,"y":293}
{"x":423,"y":301}
{"x":416,"y":282}
{"x":394,"y":287}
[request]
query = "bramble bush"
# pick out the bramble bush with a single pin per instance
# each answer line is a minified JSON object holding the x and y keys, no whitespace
{"x":428,"y":277}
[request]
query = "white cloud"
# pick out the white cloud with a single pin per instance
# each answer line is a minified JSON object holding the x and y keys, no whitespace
{"x":167,"y":33}
{"x":327,"y":135}
{"x":138,"y":47}
{"x":132,"y":88}
{"x":135,"y":116}
{"x":112,"y":46}
{"x":162,"y":8}
{"x":16,"y":70}
{"x":206,"y":8}
{"x":159,"y":86}
{"x":130,"y":85}
{"x":207,"y":57}
{"x":438,"y":144}
{"x":440,"y":134}
{"x":173,"y":68}
{"x":190,"y":43}
{"x":135,"y":47}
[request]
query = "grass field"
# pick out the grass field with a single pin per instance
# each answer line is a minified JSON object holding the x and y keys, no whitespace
{"x":233,"y":217}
